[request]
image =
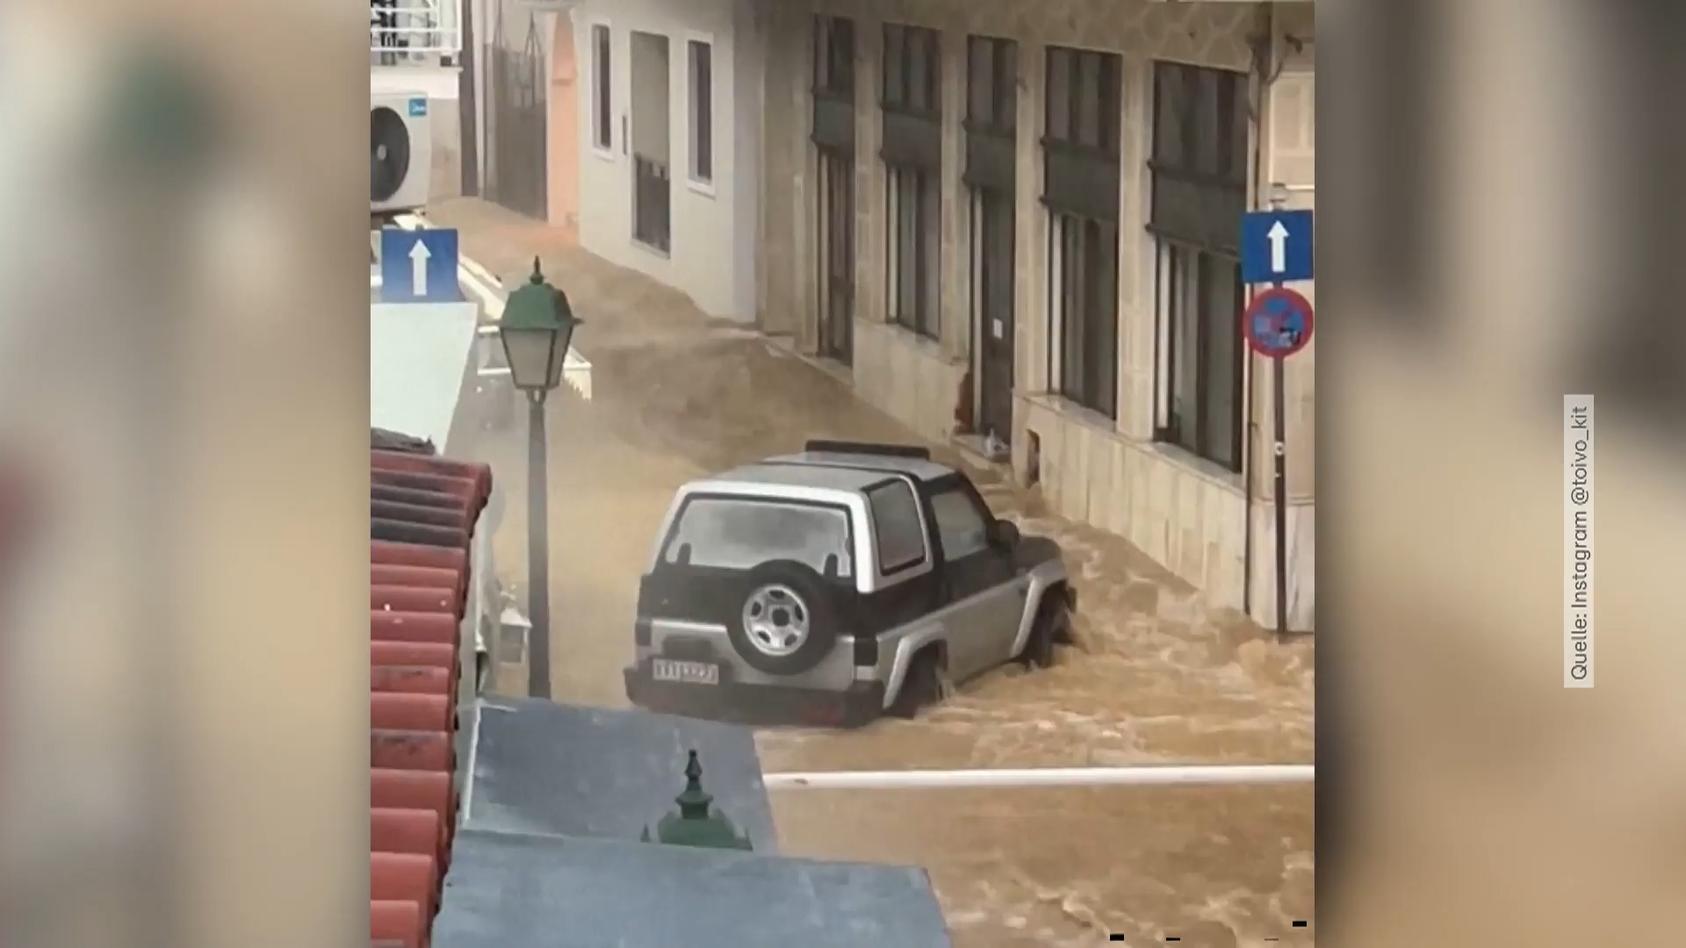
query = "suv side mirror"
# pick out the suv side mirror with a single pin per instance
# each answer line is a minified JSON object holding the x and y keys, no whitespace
{"x":1004,"y":534}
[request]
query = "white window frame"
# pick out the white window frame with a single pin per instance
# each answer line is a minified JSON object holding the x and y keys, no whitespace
{"x":704,"y":186}
{"x":606,"y":151}
{"x":1056,"y":301}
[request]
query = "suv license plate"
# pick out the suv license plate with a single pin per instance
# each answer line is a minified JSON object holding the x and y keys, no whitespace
{"x":691,"y":673}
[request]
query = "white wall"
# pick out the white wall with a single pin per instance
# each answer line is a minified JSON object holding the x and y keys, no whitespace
{"x":713,"y":234}
{"x":437,"y":82}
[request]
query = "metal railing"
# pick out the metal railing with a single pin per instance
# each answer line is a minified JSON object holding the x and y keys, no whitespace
{"x":403,"y":31}
{"x":1141,"y":775}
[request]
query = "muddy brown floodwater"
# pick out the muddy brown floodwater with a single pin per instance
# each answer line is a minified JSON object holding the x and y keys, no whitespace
{"x":1156,"y":677}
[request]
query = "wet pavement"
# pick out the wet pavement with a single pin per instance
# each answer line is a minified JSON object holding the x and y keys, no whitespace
{"x":1156,"y":677}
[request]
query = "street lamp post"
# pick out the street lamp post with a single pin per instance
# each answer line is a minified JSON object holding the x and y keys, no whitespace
{"x":536,"y":327}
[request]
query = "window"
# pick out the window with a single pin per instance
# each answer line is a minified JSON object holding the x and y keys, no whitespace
{"x":1082,"y":191}
{"x":991,"y":88}
{"x":1200,"y":299}
{"x":913,"y":242}
{"x":962,"y":526}
{"x":834,"y":57}
{"x":602,"y":119}
{"x":1084,"y":310}
{"x":1199,"y":169}
{"x":912,"y":60}
{"x":725,"y":533}
{"x":896,"y":526}
{"x":1085,"y":95}
{"x":702,"y":111}
{"x":913,"y":169}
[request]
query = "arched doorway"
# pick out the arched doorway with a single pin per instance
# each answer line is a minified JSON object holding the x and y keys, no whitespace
{"x":564,"y":145}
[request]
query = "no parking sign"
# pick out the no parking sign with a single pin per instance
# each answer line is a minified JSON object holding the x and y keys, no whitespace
{"x":1277,"y":323}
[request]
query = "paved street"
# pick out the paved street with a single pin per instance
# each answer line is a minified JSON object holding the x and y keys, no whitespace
{"x":1157,"y":677}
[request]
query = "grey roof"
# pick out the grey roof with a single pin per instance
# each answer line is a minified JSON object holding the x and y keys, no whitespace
{"x":505,"y":889}
{"x":542,"y":767}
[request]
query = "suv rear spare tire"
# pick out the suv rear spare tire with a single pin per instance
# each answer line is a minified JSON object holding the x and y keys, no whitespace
{"x":786,"y":621}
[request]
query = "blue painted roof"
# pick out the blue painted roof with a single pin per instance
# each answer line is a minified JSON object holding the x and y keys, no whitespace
{"x":526,"y":889}
{"x":541,"y":767}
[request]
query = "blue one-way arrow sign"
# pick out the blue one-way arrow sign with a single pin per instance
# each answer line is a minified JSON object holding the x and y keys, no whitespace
{"x":419,"y":266}
{"x":1276,"y":246}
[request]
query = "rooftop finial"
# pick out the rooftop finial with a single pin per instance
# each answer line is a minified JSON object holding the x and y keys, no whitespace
{"x":694,"y":824}
{"x":694,"y":801}
{"x":537,"y":277}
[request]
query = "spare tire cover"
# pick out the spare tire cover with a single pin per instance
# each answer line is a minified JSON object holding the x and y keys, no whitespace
{"x":787,"y":620}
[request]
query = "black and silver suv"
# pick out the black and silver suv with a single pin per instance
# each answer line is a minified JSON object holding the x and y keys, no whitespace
{"x":830,"y":586}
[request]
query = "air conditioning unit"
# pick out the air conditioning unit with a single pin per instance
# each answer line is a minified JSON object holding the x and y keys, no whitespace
{"x":400,"y":151}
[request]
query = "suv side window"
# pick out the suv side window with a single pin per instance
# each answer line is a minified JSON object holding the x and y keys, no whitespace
{"x":962,"y":526}
{"x":895,"y":523}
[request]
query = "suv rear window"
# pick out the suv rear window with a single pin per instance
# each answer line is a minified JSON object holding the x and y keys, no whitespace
{"x":735,"y":533}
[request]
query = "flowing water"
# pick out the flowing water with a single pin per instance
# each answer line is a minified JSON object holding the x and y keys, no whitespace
{"x":1156,"y":676}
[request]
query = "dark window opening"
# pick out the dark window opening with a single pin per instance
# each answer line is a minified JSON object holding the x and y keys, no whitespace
{"x":603,"y":125}
{"x":1199,"y":168}
{"x":1085,"y":309}
{"x":913,"y":201}
{"x":834,"y":57}
{"x":702,"y":111}
{"x":1082,"y":146}
{"x":1084,"y":101}
{"x":912,"y":70}
{"x":1200,"y":299}
{"x":992,"y":85}
{"x":914,"y":238}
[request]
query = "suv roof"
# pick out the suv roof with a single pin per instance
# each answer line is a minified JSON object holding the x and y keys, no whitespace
{"x":833,"y":470}
{"x":919,"y":468}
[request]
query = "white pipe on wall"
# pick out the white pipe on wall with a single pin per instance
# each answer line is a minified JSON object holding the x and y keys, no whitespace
{"x":1144,"y":775}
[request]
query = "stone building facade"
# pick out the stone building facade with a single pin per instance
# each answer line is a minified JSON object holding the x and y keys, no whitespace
{"x":1132,"y":401}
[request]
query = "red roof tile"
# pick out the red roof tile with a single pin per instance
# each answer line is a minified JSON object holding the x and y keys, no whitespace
{"x":436,"y":654}
{"x":385,"y":626}
{"x":412,"y":790}
{"x":397,"y":923}
{"x":405,"y":877}
{"x":411,"y":679}
{"x":422,"y":513}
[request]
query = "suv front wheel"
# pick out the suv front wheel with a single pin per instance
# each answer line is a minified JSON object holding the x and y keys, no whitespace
{"x":1052,"y":627}
{"x":786,"y":621}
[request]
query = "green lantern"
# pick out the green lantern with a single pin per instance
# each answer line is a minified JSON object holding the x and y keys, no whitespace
{"x":536,"y":328}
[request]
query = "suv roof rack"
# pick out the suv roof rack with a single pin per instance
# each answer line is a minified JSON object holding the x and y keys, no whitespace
{"x":868,"y":447}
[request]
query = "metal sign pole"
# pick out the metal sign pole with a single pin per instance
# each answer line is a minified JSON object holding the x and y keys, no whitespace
{"x":1281,"y":476}
{"x":1281,"y":500}
{"x":1276,"y":248}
